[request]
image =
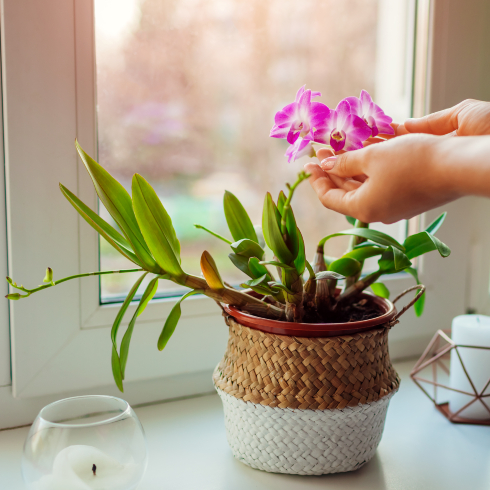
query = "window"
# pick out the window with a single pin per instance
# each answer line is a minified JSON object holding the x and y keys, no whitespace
{"x":187,"y":92}
{"x":60,"y":339}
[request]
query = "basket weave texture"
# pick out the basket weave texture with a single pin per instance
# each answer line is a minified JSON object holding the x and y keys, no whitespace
{"x":306,"y":373}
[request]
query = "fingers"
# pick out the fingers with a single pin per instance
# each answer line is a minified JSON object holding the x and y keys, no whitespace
{"x":324,"y":153}
{"x":438,"y":123}
{"x":346,"y":184}
{"x":329,"y":194}
{"x":346,"y":165}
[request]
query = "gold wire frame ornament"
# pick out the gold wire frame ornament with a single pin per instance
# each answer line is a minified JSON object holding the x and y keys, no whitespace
{"x":437,"y":351}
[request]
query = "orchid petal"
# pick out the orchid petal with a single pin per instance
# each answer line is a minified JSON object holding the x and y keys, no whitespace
{"x":292,"y":137}
{"x":279,"y":131}
{"x":343,"y":112}
{"x":366,"y":101}
{"x":299,"y":93}
{"x":286,"y":114}
{"x":356,"y":128}
{"x":355,"y":105}
{"x":316,"y":94}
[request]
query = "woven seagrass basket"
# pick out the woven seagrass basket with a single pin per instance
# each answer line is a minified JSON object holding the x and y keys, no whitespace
{"x":306,"y":404}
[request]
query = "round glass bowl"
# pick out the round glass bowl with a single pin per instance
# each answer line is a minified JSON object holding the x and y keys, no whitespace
{"x":85,"y":443}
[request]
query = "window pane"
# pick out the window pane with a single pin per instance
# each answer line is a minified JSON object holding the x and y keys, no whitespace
{"x":187,"y":91}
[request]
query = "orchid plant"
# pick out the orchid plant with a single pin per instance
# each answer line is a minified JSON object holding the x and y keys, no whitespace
{"x":282,"y":284}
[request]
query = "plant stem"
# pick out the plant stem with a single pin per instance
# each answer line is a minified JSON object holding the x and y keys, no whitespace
{"x":301,"y":176}
{"x":213,"y":233}
{"x":59,"y":281}
{"x":359,"y":286}
{"x":355,"y":240}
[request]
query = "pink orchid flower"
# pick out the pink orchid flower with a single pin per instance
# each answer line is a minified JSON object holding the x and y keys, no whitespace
{"x":300,"y":118}
{"x":372,"y":114}
{"x":301,"y":147}
{"x":343,"y":130}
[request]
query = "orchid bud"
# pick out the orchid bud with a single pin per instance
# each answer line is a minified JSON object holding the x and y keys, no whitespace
{"x":13,"y":296}
{"x":49,"y":275}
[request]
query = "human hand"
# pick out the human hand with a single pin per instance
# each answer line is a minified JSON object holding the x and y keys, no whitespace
{"x":387,"y":182}
{"x":468,"y":118}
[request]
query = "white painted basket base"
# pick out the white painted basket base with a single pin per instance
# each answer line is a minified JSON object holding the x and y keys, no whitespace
{"x":303,"y":442}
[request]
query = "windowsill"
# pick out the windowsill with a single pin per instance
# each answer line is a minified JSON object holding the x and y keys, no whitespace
{"x":420,"y":450}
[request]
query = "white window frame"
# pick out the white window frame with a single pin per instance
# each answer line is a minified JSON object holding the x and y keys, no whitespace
{"x":60,"y":339}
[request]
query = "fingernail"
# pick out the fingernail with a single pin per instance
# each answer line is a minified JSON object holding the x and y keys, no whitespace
{"x":328,"y":163}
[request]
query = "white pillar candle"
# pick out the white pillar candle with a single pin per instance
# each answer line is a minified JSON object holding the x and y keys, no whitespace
{"x":73,"y":470}
{"x":470,"y":330}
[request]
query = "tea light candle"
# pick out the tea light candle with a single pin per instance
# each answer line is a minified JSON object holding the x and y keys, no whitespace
{"x":88,"y":468}
{"x":470,"y":330}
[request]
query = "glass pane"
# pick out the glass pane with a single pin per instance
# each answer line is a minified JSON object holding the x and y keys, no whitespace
{"x":187,"y":91}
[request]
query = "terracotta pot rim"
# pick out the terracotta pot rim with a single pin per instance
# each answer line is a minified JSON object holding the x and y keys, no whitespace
{"x":316,"y":329}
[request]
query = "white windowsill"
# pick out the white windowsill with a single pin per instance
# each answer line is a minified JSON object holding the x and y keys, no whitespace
{"x":420,"y":450}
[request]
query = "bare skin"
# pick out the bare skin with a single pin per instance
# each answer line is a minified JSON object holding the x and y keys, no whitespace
{"x":432,"y":160}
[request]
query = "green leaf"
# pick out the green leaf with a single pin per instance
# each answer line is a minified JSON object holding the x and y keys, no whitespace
{"x":248,"y":248}
{"x":281,"y":200}
{"x":436,"y":224}
{"x":257,"y":282}
{"x":257,"y":268}
{"x":400,"y":259}
{"x":379,"y":289}
{"x":351,"y":220}
{"x":126,"y":340}
{"x":328,"y":275}
{"x":300,"y":260}
{"x":277,"y":264}
{"x":292,"y":231}
{"x":156,"y":226}
{"x":172,"y":320}
{"x":272,"y":231}
{"x":101,"y":226}
{"x":373,"y":235}
{"x":262,"y":289}
{"x":345,"y":266}
{"x":237,"y":219}
{"x":118,"y":202}
{"x":280,"y":285}
{"x":116,"y":369}
{"x":420,"y":303}
{"x":424,"y":242}
{"x":241,"y":262}
{"x":364,"y":253}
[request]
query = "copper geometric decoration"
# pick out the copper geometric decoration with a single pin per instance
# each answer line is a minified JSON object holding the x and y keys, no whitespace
{"x":435,"y":359}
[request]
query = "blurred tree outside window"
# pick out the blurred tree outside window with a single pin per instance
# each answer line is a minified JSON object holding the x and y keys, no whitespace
{"x":186,"y":95}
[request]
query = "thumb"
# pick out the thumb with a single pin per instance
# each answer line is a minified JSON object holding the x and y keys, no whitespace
{"x":349,"y":164}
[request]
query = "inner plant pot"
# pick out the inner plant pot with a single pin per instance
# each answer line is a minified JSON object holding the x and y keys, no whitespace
{"x":307,"y":399}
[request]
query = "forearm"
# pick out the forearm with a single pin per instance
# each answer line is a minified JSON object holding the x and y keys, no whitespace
{"x":463,"y":164}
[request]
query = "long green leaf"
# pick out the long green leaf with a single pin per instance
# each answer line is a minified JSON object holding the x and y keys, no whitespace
{"x":281,"y":200}
{"x":172,"y":320}
{"x":420,"y":303}
{"x":380,"y":289}
{"x":436,"y":224}
{"x":373,"y":235}
{"x":237,"y":218}
{"x":345,"y":266}
{"x":115,"y":361}
{"x":257,"y":268}
{"x":105,"y":230}
{"x":272,"y":231}
{"x":156,"y":226}
{"x":292,"y":231}
{"x":118,"y":202}
{"x":126,"y":340}
{"x":248,"y":248}
{"x":364,"y":253}
{"x":277,"y":264}
{"x":351,"y":220}
{"x":424,"y":242}
{"x":262,"y":289}
{"x":300,"y":260}
{"x":400,"y":259}
{"x":257,"y":282}
{"x":241,"y":262}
